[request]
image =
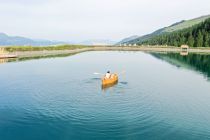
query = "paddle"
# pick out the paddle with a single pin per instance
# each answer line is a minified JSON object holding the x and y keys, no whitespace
{"x":96,"y":73}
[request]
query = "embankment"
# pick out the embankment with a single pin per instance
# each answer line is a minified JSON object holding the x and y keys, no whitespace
{"x":35,"y":53}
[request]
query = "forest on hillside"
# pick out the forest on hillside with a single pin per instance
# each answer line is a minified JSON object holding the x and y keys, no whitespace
{"x":195,"y":36}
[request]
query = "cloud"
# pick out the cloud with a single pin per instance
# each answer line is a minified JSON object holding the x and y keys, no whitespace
{"x":24,"y":2}
{"x":76,"y":20}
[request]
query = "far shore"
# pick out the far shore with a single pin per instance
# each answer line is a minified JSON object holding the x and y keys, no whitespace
{"x":25,"y":54}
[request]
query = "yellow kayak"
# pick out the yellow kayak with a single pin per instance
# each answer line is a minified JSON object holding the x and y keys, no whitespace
{"x":112,"y":80}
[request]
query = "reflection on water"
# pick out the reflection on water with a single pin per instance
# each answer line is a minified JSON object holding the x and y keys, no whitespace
{"x":6,"y":60}
{"x":34,"y":58}
{"x":63,"y":100}
{"x":92,"y":80}
{"x":184,"y":53}
{"x":3,"y":61}
{"x":104,"y":87}
{"x":198,"y":62}
{"x":124,"y":83}
{"x":96,"y":79}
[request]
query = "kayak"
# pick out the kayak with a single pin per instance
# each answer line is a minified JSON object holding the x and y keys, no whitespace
{"x":112,"y":80}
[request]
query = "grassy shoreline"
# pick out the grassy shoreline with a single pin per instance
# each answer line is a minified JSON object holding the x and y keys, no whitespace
{"x":28,"y":51}
{"x":42,"y":48}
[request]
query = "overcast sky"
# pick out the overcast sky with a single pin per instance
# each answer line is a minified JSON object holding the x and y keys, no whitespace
{"x":78,"y":20}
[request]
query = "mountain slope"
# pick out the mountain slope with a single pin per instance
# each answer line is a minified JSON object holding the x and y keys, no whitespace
{"x":195,"y":36}
{"x":186,"y":24}
{"x":128,"y":39}
{"x":6,"y":40}
{"x":174,"y":27}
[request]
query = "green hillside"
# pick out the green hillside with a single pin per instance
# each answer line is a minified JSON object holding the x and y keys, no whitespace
{"x":195,"y":36}
{"x":186,"y":24}
{"x":174,"y":27}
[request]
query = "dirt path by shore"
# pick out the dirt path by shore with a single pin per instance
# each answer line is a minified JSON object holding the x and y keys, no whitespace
{"x":105,"y":48}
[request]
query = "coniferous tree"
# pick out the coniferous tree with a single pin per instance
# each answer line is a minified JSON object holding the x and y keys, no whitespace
{"x":199,"y":40}
{"x":190,"y":41}
{"x":196,"y":36}
{"x":206,"y":40}
{"x":175,"y":43}
{"x":181,"y":40}
{"x":209,"y":40}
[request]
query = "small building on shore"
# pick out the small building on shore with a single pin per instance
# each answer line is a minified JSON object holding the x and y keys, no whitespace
{"x":184,"y":48}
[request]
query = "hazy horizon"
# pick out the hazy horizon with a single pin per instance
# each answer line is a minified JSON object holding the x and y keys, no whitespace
{"x":71,"y":20}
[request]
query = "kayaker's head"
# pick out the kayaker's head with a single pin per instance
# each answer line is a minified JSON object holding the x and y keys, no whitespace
{"x":108,"y":71}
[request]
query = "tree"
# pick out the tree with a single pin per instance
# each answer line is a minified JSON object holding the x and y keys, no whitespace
{"x":190,"y":41}
{"x":181,"y":40}
{"x":175,"y":43}
{"x":206,"y":40}
{"x":199,"y":41}
{"x":195,"y":36}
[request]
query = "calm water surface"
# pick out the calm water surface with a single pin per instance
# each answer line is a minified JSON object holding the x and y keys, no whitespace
{"x":161,"y":96}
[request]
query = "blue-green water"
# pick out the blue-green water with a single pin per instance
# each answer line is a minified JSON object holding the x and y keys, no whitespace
{"x":161,"y":96}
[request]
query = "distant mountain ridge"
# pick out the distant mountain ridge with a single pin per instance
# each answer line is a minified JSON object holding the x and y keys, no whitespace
{"x":6,"y":40}
{"x":97,"y":42}
{"x":174,"y":27}
{"x":128,"y":39}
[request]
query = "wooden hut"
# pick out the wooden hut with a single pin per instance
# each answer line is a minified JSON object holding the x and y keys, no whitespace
{"x":184,"y":48}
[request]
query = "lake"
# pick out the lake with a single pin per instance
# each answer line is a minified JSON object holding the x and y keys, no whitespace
{"x":161,"y":96}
